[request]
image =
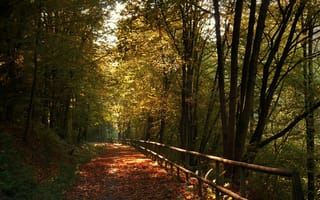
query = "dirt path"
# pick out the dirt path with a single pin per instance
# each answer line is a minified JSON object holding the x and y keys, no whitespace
{"x":122,"y":173}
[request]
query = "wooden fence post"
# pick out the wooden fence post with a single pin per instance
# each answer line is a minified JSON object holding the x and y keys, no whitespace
{"x":218,"y":181}
{"x":242,"y":182}
{"x":200,"y":188}
{"x":297,"y":191}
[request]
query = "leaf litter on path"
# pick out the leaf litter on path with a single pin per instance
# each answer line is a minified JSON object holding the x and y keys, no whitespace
{"x":122,"y":173}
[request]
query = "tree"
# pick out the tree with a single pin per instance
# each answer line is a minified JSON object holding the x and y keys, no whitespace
{"x":15,"y":33}
{"x":309,"y":96}
{"x":257,"y":50}
{"x":145,"y":68}
{"x":30,"y":110}
{"x":52,"y":54}
{"x":267,"y":46}
{"x":184,"y":22}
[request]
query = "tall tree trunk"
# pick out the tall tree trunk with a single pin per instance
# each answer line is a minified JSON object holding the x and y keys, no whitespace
{"x":234,"y":79}
{"x":221,"y":80}
{"x":148,"y":127}
{"x":163,"y":109}
{"x":235,"y":122}
{"x":192,"y":53}
{"x":162,"y":128}
{"x":52,"y":117}
{"x":85,"y":125}
{"x":186,"y":121}
{"x":207,"y":133}
{"x":29,"y":120}
{"x":190,"y":49}
{"x":267,"y":91}
{"x":309,"y":101}
{"x":68,"y":121}
{"x":241,"y":131}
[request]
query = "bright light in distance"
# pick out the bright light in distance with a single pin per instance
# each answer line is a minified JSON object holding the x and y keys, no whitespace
{"x":110,"y":26}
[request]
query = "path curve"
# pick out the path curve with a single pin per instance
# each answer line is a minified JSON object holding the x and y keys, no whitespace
{"x":122,"y":173}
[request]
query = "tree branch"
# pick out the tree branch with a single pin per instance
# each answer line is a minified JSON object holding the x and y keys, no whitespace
{"x":290,"y":126}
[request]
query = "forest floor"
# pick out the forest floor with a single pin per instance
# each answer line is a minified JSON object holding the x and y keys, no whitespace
{"x":42,"y":168}
{"x":122,"y":173}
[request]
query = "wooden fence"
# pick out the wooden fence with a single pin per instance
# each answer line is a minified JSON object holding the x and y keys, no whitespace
{"x":162,"y":152}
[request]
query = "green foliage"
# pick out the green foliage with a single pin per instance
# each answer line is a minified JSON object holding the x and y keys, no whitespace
{"x":269,"y":187}
{"x":16,"y":180}
{"x":289,"y":155}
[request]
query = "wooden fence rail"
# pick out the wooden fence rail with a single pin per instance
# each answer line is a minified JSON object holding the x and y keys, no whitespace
{"x":155,"y":150}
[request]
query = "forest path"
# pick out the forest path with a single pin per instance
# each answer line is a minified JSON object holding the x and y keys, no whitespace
{"x":122,"y":173}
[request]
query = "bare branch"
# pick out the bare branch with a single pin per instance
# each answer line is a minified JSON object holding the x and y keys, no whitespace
{"x":290,"y":126}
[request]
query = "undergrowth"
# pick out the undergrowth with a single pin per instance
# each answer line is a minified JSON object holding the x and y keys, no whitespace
{"x":42,"y":169}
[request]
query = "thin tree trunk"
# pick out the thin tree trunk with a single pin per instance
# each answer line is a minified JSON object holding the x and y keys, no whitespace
{"x":162,"y":128}
{"x":148,"y":127}
{"x":234,"y":79}
{"x":29,"y":120}
{"x":267,"y":93}
{"x":163,"y":109}
{"x":68,"y":127}
{"x":221,"y":81}
{"x":309,"y":100}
